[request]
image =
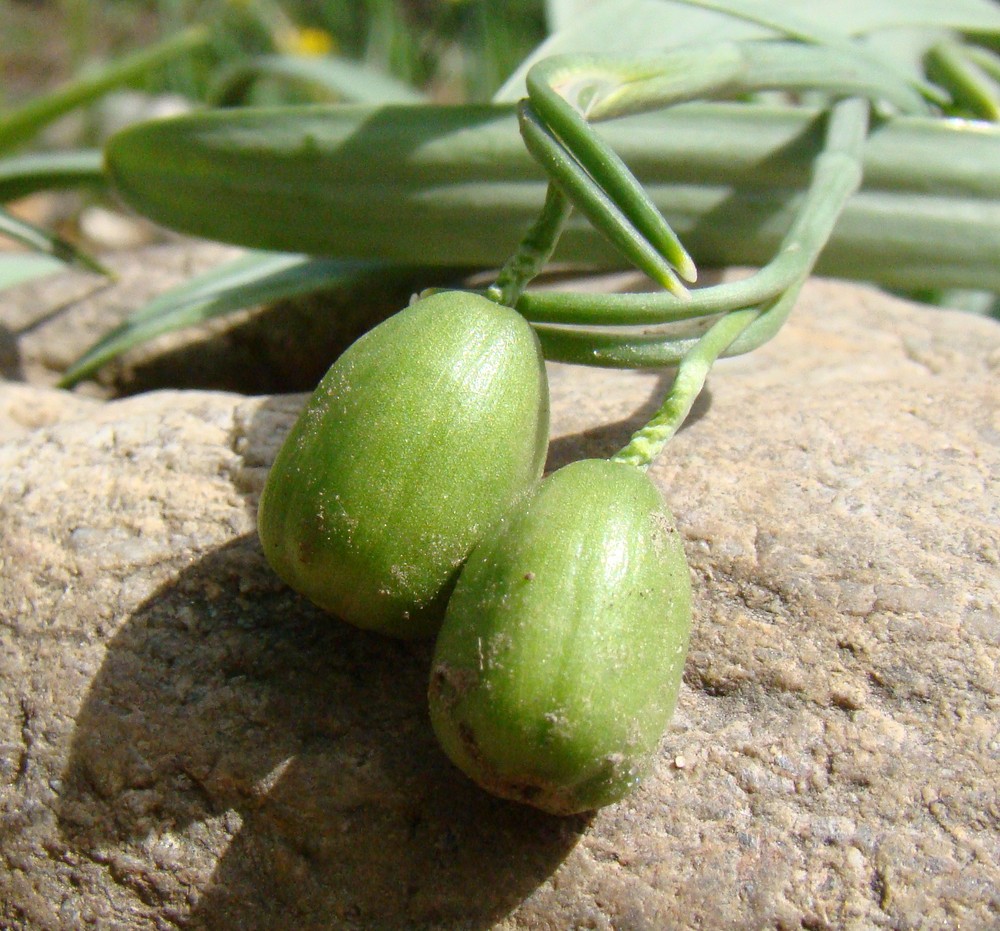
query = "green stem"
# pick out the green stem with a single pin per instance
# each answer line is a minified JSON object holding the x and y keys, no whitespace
{"x":534,"y":250}
{"x":839,"y":162}
{"x":647,"y":443}
{"x":610,"y":87}
{"x":564,"y":92}
{"x":836,"y":178}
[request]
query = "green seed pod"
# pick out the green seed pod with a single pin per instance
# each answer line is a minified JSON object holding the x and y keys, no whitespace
{"x":420,"y":436}
{"x":560,"y":657}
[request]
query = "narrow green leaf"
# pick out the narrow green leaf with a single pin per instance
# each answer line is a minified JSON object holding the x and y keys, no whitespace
{"x":785,"y":22}
{"x":617,"y":224}
{"x":975,"y":90}
{"x":45,"y":171}
{"x":859,"y":17}
{"x":247,"y":281}
{"x":48,"y":244}
{"x":628,"y":27}
{"x":19,"y":267}
{"x":20,"y":125}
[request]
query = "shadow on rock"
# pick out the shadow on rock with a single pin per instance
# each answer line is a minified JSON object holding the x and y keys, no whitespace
{"x":233,"y":724}
{"x":607,"y":438}
{"x":284,"y":347}
{"x":10,"y":356}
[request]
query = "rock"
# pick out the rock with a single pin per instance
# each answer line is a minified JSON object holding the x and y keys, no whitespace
{"x":184,"y":742}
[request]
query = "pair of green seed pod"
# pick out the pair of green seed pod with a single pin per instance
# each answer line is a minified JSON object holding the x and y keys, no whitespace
{"x":410,"y":490}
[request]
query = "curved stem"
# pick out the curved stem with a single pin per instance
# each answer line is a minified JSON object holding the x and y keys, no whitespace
{"x":604,"y":88}
{"x":565,"y":92}
{"x":647,"y":443}
{"x":839,"y":162}
{"x":836,"y":177}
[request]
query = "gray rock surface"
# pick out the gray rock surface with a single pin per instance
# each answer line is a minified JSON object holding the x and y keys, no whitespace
{"x":186,"y":743}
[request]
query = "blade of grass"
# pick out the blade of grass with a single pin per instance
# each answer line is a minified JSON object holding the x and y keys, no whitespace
{"x":975,"y":90}
{"x":46,"y":243}
{"x":247,"y":281}
{"x":23,"y":123}
{"x":45,"y":171}
{"x":19,"y":267}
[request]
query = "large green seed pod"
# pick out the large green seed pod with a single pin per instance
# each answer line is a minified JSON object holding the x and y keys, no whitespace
{"x":420,"y":436}
{"x":560,"y":657}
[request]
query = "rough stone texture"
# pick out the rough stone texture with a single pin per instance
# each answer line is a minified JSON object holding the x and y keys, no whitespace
{"x":185,"y":743}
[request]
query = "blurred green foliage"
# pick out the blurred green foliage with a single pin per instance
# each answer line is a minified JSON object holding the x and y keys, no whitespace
{"x":451,"y":49}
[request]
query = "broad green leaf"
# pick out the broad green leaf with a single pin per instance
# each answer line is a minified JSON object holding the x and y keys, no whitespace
{"x":561,"y":14}
{"x":455,"y":186}
{"x":252,"y":279}
{"x":20,"y":125}
{"x":336,"y":78}
{"x":817,"y":21}
{"x":631,"y":26}
{"x":44,"y":171}
{"x":627,"y":27}
{"x":19,"y":267}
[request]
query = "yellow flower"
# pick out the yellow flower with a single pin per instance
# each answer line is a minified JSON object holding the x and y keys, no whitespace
{"x":308,"y":41}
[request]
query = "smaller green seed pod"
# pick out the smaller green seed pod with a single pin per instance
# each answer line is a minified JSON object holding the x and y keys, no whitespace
{"x":420,"y":437}
{"x":559,"y":660}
